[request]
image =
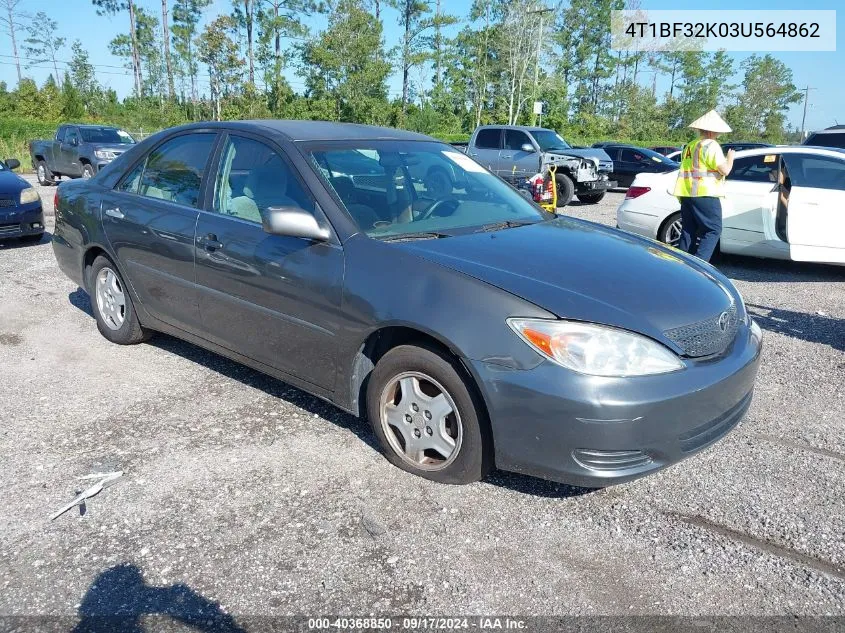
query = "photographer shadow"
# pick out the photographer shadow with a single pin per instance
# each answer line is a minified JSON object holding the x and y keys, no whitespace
{"x":120,"y":601}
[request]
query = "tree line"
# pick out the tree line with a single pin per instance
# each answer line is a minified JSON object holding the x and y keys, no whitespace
{"x":457,"y":71}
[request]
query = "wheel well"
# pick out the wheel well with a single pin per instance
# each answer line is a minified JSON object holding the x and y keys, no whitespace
{"x":666,"y":222}
{"x":88,"y":260}
{"x":382,"y":341}
{"x":38,"y":157}
{"x":84,"y":161}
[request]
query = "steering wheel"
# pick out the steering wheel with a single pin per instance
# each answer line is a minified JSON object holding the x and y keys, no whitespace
{"x":437,"y":205}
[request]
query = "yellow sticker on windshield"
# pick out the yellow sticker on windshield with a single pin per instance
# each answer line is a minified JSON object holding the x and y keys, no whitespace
{"x":769,"y":158}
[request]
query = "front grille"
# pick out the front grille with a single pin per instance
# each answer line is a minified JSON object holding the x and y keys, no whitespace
{"x":7,"y":202}
{"x":711,"y":431}
{"x":10,"y":229}
{"x":610,"y":460}
{"x":708,"y":337}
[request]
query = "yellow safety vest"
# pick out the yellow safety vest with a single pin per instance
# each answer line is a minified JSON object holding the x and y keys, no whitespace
{"x":699,"y":176}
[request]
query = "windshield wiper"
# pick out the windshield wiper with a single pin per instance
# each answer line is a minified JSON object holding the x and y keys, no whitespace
{"x":414,"y":236}
{"x":505,"y":224}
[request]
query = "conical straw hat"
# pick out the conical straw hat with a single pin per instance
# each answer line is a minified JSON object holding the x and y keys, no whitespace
{"x":711,"y":122}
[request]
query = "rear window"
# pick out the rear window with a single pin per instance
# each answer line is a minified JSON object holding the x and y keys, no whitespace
{"x":827,"y":140}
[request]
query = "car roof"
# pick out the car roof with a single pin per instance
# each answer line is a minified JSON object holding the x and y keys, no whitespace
{"x":299,"y":130}
{"x":521,"y":128}
{"x":793,"y":149}
{"x":837,"y":129}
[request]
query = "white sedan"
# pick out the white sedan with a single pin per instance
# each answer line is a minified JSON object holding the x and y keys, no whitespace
{"x":780,"y":202}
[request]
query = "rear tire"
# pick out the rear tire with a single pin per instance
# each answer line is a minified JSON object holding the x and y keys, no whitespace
{"x":420,"y":409}
{"x":565,"y":190}
{"x":43,"y":172}
{"x":112,"y":304}
{"x":591,"y":198}
{"x":670,"y":230}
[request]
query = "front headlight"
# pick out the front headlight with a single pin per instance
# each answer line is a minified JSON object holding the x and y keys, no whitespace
{"x":104,"y":154}
{"x":597,"y":350}
{"x":29,"y":195}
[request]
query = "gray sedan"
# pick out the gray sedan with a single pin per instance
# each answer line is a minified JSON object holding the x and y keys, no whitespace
{"x":471,"y":328}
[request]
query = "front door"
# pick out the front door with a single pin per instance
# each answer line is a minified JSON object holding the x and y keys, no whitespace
{"x":514,"y":160}
{"x":815,"y":208}
{"x":68,"y":159}
{"x":272,"y":298}
{"x":149,"y":219}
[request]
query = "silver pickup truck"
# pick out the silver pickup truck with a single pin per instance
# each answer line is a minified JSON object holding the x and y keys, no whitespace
{"x":517,"y":152}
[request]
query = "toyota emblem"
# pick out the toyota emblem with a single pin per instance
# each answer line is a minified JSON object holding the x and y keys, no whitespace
{"x":724,"y":318}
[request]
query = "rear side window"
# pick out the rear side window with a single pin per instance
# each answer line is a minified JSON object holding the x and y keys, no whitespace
{"x":827,"y":140}
{"x":820,"y":172}
{"x":489,"y":138}
{"x":762,"y":168}
{"x":173,"y":171}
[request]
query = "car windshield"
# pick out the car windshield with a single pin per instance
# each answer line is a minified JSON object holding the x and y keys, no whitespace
{"x":394,"y":189}
{"x":2,"y":166}
{"x":106,"y":135}
{"x":549,"y":139}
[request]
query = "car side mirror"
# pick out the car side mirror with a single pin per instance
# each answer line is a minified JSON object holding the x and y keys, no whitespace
{"x":293,"y":222}
{"x":527,"y":147}
{"x":13,"y":163}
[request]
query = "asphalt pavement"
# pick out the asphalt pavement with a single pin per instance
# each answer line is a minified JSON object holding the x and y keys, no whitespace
{"x":242,"y":496}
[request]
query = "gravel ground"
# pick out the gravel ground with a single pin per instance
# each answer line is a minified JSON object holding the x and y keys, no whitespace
{"x":245,"y":497}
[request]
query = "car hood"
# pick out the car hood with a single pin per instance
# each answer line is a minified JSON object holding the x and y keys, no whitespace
{"x":11,"y":183}
{"x":583,"y":271}
{"x":597,"y":155}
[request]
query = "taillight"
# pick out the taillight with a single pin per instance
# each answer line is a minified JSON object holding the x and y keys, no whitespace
{"x":636,"y":192}
{"x":56,"y":202}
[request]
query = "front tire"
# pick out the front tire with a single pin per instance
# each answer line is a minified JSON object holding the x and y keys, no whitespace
{"x":591,"y":198}
{"x":426,"y":417}
{"x":565,"y":190}
{"x":87,"y":171}
{"x":112,"y":305}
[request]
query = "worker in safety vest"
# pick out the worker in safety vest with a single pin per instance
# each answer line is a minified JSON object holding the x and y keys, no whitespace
{"x":700,"y":186}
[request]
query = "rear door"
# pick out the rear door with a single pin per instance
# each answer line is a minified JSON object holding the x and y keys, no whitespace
{"x":515,"y":161}
{"x":150,"y":217}
{"x":272,"y":298}
{"x":815,"y":209}
{"x":486,"y":148}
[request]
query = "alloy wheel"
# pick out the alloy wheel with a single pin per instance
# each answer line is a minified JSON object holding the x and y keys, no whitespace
{"x":111,"y":301}
{"x":421,"y":421}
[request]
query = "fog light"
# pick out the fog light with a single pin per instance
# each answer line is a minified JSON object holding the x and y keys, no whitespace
{"x":36,"y":225}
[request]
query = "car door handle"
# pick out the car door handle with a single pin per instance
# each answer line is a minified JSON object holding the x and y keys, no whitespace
{"x":507,"y":155}
{"x":114,"y":212}
{"x":210,"y":242}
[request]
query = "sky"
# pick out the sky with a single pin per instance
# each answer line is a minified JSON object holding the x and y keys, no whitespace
{"x":821,"y":71}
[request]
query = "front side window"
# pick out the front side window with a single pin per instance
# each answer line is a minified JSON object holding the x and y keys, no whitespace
{"x":71,"y":135}
{"x":763,"y":168}
{"x":173,"y":171}
{"x":514,"y":139}
{"x":251,"y":178}
{"x":820,"y":172}
{"x":392,"y":203}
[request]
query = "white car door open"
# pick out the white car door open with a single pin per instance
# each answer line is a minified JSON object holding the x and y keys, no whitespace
{"x":815,"y":218}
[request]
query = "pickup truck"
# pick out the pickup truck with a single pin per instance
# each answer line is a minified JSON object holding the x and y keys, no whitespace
{"x":518,"y":152}
{"x":77,"y":151}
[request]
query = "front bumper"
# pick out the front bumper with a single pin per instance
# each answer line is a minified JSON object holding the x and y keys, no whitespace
{"x":21,"y":221}
{"x":596,"y":185}
{"x":593,"y":432}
